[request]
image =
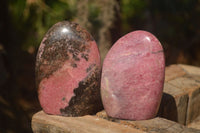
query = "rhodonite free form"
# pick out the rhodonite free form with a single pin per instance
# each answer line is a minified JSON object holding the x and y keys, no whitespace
{"x":133,"y":77}
{"x":68,"y":71}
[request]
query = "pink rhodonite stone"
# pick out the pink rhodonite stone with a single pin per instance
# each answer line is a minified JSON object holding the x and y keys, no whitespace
{"x":133,"y":76}
{"x":68,"y":71}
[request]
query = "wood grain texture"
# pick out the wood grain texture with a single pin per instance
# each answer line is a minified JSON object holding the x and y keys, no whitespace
{"x":181,"y":98}
{"x":173,"y":71}
{"x":174,"y":104}
{"x":155,"y":125}
{"x":43,"y":123}
{"x":195,"y":123}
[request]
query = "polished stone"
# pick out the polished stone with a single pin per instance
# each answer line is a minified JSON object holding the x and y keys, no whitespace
{"x":133,"y":77}
{"x":68,"y":71}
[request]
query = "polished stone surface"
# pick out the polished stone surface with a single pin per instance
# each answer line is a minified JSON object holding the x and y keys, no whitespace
{"x":133,"y":77}
{"x":68,"y":71}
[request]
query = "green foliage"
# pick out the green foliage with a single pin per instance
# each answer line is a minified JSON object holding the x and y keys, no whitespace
{"x":168,"y":19}
{"x":32,"y":18}
{"x":16,"y":8}
{"x":132,"y":8}
{"x":131,"y":11}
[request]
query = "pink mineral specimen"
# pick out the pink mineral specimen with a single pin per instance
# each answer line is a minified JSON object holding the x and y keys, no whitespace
{"x":133,"y":77}
{"x":68,"y":71}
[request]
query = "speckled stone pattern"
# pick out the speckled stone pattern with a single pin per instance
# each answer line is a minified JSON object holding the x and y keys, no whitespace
{"x":133,"y":77}
{"x":68,"y":71}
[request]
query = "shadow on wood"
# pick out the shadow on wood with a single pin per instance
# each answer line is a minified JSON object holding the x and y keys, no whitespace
{"x":168,"y":108}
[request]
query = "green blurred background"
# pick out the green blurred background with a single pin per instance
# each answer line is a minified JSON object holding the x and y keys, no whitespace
{"x":23,"y":23}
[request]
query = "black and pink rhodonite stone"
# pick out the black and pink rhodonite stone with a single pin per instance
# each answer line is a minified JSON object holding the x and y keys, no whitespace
{"x":68,"y":71}
{"x":133,"y":77}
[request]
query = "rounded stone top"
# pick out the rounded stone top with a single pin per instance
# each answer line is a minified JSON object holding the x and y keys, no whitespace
{"x":68,"y":71}
{"x":67,"y":30}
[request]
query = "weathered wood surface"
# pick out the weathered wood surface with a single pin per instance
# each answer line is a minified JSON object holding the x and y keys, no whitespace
{"x":195,"y":123}
{"x":180,"y":103}
{"x":181,"y":98}
{"x":43,"y":123}
{"x":156,"y":125}
{"x":173,"y":71}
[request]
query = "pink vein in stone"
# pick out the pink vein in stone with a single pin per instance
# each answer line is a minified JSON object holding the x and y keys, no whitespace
{"x":132,"y":78}
{"x":56,"y":91}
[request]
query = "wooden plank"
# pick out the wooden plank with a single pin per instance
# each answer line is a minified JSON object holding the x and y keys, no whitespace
{"x":190,"y":70}
{"x":192,"y":88}
{"x":44,"y":123}
{"x":195,"y":123}
{"x":155,"y":125}
{"x":184,"y":88}
{"x":174,"y":104}
{"x":173,"y":71}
